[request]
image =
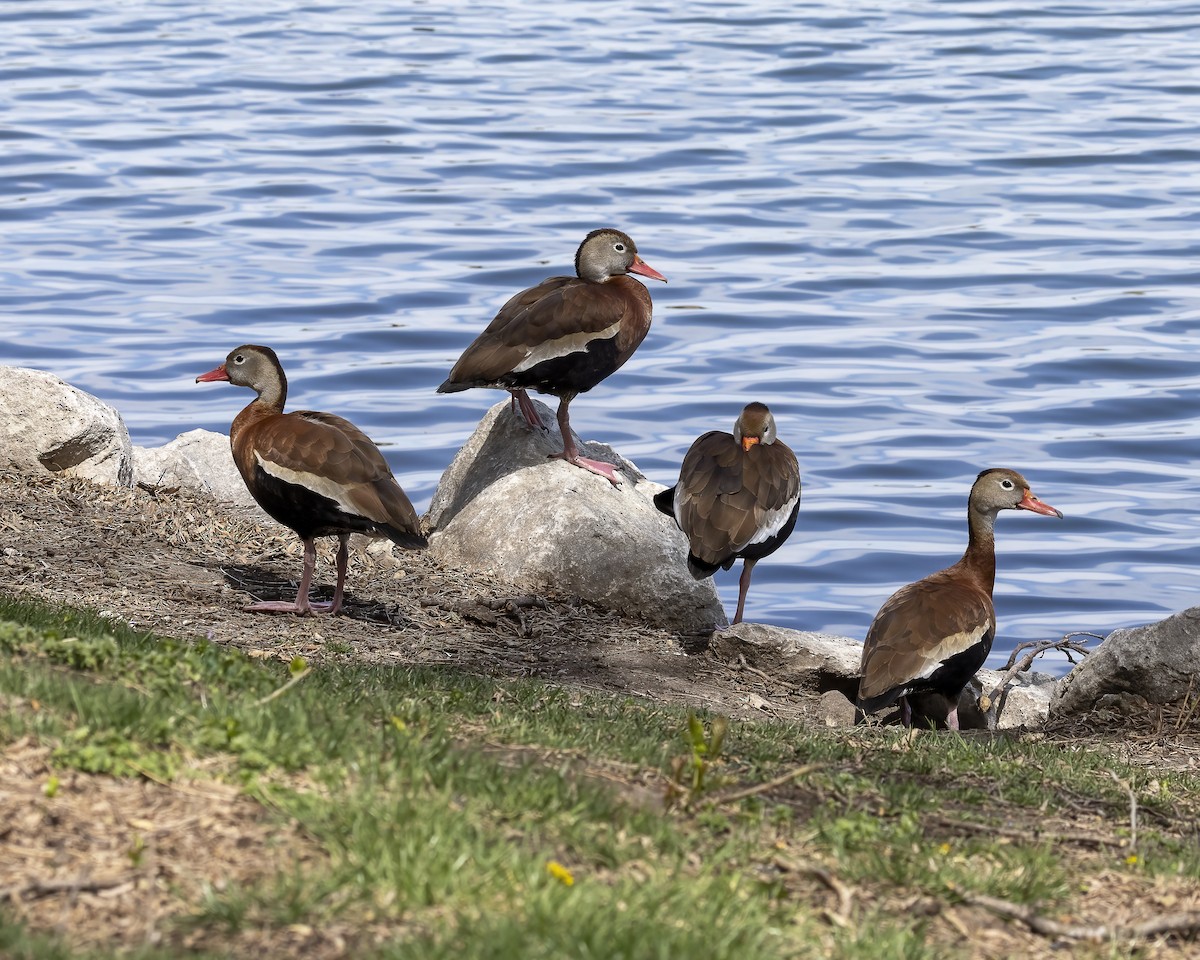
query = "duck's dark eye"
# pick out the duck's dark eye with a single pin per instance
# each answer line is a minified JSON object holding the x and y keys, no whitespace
{"x":1006,"y":484}
{"x":239,"y":359}
{"x":619,"y":247}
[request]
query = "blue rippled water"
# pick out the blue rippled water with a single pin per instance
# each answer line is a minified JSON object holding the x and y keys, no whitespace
{"x":933,"y":237}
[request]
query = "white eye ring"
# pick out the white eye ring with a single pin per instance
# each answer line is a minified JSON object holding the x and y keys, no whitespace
{"x":1006,"y":484}
{"x":239,"y":359}
{"x":619,"y":247}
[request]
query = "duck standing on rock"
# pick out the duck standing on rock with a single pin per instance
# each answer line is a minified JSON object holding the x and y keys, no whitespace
{"x":314,"y":472}
{"x":565,"y":335}
{"x":935,"y":634}
{"x":737,"y":496}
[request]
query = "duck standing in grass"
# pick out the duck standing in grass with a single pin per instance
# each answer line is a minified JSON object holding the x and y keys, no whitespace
{"x":314,"y":472}
{"x":936,"y":633}
{"x":564,"y":336}
{"x":737,"y":496}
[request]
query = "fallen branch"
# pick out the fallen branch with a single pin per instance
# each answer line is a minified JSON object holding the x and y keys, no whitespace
{"x":1014,"y":666}
{"x":1173,"y":923}
{"x":769,"y":785}
{"x":46,"y":888}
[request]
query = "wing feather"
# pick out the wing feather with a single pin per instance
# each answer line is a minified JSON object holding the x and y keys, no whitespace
{"x":920,"y":627}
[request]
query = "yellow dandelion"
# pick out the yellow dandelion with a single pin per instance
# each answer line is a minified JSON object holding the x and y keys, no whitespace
{"x":560,"y":873}
{"x":1132,"y":859}
{"x":944,"y":849}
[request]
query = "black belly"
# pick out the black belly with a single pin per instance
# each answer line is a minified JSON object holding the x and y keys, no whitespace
{"x":575,"y":373}
{"x":756,"y":551}
{"x":950,"y":678}
{"x":308,"y":513}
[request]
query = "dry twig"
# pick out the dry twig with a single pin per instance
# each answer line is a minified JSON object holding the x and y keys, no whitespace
{"x":1182,"y":924}
{"x":46,"y":888}
{"x":743,"y":665}
{"x":769,"y":785}
{"x":845,"y":895}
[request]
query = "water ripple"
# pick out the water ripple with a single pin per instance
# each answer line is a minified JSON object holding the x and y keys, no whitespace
{"x":933,"y":238}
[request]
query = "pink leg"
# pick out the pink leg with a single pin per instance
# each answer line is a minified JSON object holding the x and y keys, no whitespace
{"x":300,"y":605}
{"x":743,"y":586}
{"x":571,"y":452}
{"x":952,"y":718}
{"x":522,"y":403}
{"x":343,"y":559}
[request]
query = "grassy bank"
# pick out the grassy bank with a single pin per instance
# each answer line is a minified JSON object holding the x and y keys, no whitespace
{"x":422,"y":812}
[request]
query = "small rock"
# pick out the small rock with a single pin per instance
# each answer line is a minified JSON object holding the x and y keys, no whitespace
{"x":196,"y":460}
{"x":835,"y":710}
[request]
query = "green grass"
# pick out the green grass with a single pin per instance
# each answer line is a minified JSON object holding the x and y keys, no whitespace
{"x":450,"y":811}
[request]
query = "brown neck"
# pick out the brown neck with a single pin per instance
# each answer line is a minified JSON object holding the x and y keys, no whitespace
{"x":268,"y":403}
{"x":980,"y":559}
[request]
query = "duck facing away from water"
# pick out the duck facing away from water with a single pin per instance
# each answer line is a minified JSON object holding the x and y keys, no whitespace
{"x":935,"y":634}
{"x":314,"y":472}
{"x":564,"y":336}
{"x":737,"y":496}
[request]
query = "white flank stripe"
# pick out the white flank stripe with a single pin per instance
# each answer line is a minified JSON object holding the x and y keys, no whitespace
{"x":773,"y":521}
{"x":961,"y":641}
{"x":563,"y":347}
{"x":309,"y":481}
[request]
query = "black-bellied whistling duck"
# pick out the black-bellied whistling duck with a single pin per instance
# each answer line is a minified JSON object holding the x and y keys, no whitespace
{"x":314,"y":472}
{"x":936,"y":633}
{"x":565,"y":335}
{"x":737,"y":496}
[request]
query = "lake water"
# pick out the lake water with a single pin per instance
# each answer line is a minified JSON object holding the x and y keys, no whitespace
{"x":932,"y":236}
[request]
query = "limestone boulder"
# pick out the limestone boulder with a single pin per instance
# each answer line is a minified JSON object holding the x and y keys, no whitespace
{"x":503,"y":508}
{"x":48,"y":425}
{"x":1156,"y":664}
{"x":196,"y":460}
{"x":829,"y":665}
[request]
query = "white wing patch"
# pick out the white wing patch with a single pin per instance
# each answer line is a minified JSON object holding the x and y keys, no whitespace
{"x":957,"y":643}
{"x":309,"y":481}
{"x":677,"y":505}
{"x":564,"y":346}
{"x":773,"y":521}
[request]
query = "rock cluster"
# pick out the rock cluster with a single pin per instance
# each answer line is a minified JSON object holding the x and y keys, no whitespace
{"x":503,"y":507}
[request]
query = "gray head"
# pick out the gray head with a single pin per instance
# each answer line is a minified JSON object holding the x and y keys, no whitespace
{"x":999,"y":489}
{"x":255,"y":367}
{"x":608,"y":253}
{"x":755,"y":425}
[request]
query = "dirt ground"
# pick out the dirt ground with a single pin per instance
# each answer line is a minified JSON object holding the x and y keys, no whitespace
{"x":180,"y":564}
{"x":183,"y":565}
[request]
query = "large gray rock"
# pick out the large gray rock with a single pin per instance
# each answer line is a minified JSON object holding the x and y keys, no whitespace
{"x":503,"y":508}
{"x":827,"y":664}
{"x":1157,"y":662}
{"x":196,"y":460}
{"x":49,"y":425}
